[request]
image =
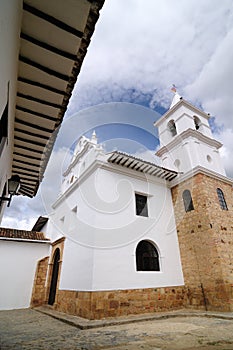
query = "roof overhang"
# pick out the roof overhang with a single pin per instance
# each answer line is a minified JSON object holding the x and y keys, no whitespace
{"x":54,"y":38}
{"x":142,"y":166}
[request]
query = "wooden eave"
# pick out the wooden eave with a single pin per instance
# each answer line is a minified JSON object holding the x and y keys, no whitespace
{"x":142,"y":166}
{"x":54,"y":38}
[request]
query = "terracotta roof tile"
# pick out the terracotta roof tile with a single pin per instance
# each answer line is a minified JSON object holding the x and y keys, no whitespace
{"x":22,"y":234}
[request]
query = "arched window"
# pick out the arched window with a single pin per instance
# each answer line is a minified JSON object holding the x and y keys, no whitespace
{"x":172,"y":127}
{"x":188,"y":202}
{"x":147,"y":257}
{"x":221,"y":199}
{"x":197,"y":122}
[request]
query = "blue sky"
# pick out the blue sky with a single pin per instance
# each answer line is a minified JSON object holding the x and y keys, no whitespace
{"x":139,"y":49}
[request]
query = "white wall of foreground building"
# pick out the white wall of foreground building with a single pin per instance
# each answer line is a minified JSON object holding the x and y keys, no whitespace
{"x":18,"y":262}
{"x":10,"y":21}
{"x":97,"y":217}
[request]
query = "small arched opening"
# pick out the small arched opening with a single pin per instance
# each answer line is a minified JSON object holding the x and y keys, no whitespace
{"x":172,"y":127}
{"x":197,"y":122}
{"x":221,"y":199}
{"x":188,"y":202}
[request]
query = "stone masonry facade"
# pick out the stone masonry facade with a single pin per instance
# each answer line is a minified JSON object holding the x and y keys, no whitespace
{"x":206,"y":242}
{"x":39,"y":291}
{"x":103,"y":304}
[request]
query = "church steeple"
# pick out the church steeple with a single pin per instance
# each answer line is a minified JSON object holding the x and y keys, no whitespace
{"x":186,"y":139}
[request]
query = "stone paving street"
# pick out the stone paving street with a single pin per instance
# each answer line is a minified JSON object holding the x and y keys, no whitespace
{"x":29,"y":329}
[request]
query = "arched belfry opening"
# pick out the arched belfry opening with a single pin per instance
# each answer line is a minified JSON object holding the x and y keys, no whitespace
{"x":54,"y":277}
{"x":172,"y":127}
{"x":197,"y":122}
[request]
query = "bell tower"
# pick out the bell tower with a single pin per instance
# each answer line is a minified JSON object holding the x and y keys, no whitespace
{"x":203,"y":205}
{"x":186,"y":140}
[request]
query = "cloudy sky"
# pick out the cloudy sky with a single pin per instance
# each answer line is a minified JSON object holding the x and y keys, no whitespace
{"x":139,"y":49}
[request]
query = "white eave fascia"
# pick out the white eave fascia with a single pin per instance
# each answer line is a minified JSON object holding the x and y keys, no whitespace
{"x":184,"y":135}
{"x":23,"y":240}
{"x":176,"y":106}
{"x":200,"y":170}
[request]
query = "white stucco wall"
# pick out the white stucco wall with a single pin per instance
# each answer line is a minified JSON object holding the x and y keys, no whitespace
{"x":18,"y":262}
{"x":190,"y":153}
{"x":10,"y":20}
{"x":102,"y":231}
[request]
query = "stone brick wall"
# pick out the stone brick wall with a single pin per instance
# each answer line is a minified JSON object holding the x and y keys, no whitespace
{"x":39,"y":291}
{"x":206,"y":240}
{"x":97,"y":305}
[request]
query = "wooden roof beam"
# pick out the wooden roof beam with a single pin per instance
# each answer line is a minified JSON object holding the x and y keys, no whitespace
{"x":32,"y":142}
{"x":31,"y":134}
{"x":26,"y":156}
{"x":46,"y":17}
{"x":26,"y":163}
{"x":25,"y":169}
{"x":38,"y":100}
{"x":42,"y":86}
{"x":47,"y":70}
{"x":38,"y":114}
{"x":29,"y":149}
{"x":48,"y":47}
{"x":34,"y":126}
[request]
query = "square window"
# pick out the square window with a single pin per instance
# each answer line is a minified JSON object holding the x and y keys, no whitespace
{"x":141,"y":205}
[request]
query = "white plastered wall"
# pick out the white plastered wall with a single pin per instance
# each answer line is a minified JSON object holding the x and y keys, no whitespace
{"x":191,"y":153}
{"x":10,"y":21}
{"x":18,"y":261}
{"x":103,"y":232}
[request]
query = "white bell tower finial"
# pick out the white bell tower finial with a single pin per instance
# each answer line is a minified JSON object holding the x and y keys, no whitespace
{"x":94,"y":138}
{"x":176,"y":97}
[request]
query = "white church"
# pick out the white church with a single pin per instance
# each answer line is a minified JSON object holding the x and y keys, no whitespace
{"x":127,"y":236}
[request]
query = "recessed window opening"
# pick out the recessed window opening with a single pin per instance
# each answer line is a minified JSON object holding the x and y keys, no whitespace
{"x":172,"y":127}
{"x":177,"y":163}
{"x":221,"y":198}
{"x":147,"y":257}
{"x":197,"y":122}
{"x":141,"y":205}
{"x":3,"y":195}
{"x":4,"y":128}
{"x":188,"y":202}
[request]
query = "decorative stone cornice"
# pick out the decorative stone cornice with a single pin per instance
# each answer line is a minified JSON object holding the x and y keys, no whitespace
{"x":177,"y":140}
{"x":199,"y":170}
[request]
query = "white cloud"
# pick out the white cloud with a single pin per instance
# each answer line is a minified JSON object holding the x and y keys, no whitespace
{"x":226,"y":137}
{"x":149,"y":45}
{"x":214,"y":85}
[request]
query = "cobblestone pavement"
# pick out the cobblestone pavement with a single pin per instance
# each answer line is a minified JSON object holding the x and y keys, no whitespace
{"x":29,"y":329}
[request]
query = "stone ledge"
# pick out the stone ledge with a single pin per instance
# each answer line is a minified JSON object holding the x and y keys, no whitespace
{"x":83,"y":323}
